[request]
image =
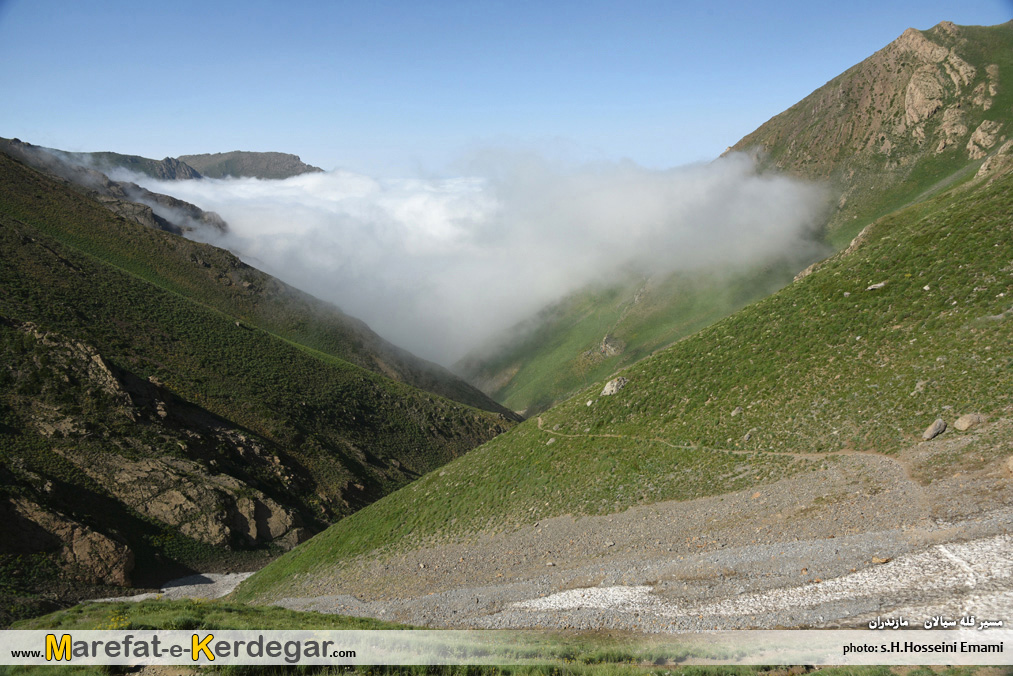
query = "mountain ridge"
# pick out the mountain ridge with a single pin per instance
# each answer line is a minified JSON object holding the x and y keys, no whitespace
{"x":145,"y":426}
{"x":923,"y":114}
{"x":825,"y":398}
{"x":898,"y":123}
{"x":241,"y":163}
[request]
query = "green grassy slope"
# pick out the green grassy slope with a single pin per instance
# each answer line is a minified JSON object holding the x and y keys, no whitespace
{"x":220,"y":280}
{"x":595,"y":332}
{"x":868,"y":134}
{"x":123,"y":384}
{"x":820,"y":366}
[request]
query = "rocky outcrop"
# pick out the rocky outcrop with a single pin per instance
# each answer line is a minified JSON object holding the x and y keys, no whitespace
{"x":924,"y":95}
{"x":171,"y":169}
{"x":997,"y":161}
{"x":218,"y":510}
{"x":613,"y":386}
{"x":89,"y":557}
{"x":952,"y":128}
{"x":867,"y":131}
{"x":983,"y":138}
{"x":212,"y":507}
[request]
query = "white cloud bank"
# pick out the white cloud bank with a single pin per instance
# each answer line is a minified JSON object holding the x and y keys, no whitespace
{"x":439,"y":266}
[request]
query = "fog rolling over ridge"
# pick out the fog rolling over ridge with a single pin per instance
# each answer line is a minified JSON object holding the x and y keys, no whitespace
{"x":442,"y":266}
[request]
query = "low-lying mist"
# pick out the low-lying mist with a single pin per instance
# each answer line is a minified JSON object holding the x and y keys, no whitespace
{"x":441,"y":266}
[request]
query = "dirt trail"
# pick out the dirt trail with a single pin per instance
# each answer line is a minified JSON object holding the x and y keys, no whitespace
{"x":900,"y":462}
{"x":659,"y":440}
{"x":832,"y":545}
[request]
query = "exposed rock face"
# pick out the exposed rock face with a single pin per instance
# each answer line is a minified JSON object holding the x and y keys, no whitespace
{"x":867,"y":131}
{"x":999,"y":159}
{"x":613,"y":386}
{"x":968,"y":420}
{"x":89,"y":557}
{"x":934,"y":430}
{"x":171,"y":169}
{"x":924,"y":95}
{"x":214,"y":508}
{"x":983,"y":138}
{"x":951,"y":129}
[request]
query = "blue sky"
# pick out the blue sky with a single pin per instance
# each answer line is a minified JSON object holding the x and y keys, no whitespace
{"x":402,"y":87}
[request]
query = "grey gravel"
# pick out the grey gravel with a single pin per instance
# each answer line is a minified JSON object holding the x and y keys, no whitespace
{"x":861,"y":536}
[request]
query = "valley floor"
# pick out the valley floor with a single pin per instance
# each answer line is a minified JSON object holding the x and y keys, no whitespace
{"x":851,"y":537}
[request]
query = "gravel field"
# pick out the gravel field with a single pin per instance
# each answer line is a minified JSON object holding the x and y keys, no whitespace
{"x":199,"y":586}
{"x":852,"y":538}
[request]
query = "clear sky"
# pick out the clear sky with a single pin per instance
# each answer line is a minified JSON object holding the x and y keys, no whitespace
{"x":394,"y":87}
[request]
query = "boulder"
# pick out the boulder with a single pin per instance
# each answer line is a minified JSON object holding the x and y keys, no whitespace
{"x":934,"y":430}
{"x":968,"y":420}
{"x":613,"y":386}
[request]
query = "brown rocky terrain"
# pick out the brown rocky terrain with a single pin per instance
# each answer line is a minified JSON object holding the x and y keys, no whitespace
{"x":897,"y":123}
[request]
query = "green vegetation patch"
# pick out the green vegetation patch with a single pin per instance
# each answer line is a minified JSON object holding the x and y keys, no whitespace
{"x":863,"y":354}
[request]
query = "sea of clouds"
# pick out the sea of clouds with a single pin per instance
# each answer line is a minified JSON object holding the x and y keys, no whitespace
{"x":442,"y":265}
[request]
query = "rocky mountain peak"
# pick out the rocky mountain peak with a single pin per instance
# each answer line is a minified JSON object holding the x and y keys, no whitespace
{"x":921,"y":106}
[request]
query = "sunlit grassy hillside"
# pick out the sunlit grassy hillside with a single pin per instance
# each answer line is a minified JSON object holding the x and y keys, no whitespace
{"x":864,"y":353}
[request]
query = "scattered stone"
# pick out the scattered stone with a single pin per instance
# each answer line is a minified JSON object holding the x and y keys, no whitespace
{"x":589,"y":402}
{"x":613,"y":386}
{"x":934,"y":430}
{"x":968,"y":420}
{"x":877,"y":285}
{"x":550,"y":441}
{"x":737,"y":411}
{"x":919,"y":387}
{"x":881,"y":559}
{"x":422,"y":566}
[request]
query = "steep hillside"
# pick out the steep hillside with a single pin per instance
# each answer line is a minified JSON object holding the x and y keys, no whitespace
{"x":858,"y":359}
{"x":598,"y":331}
{"x":242,"y":163}
{"x":218,"y":278}
{"x":915,"y":116}
{"x":147,"y":425}
{"x":169,"y":169}
{"x":125,"y":199}
{"x":918,"y":116}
